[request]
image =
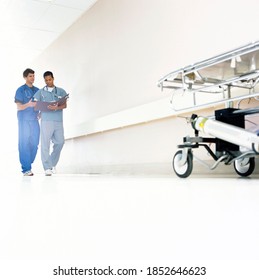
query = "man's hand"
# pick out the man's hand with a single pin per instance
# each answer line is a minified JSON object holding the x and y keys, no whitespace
{"x":31,"y":103}
{"x":53,"y":107}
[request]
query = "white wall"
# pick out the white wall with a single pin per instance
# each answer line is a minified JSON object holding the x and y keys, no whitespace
{"x":110,"y":60}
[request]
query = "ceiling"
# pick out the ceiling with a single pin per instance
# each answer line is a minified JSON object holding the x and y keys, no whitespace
{"x":27,"y":27}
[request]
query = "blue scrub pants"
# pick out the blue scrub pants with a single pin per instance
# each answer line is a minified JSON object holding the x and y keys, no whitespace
{"x":51,"y":132}
{"x":29,"y":134}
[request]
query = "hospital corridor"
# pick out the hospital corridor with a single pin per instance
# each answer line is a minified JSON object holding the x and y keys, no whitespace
{"x":153,"y":118}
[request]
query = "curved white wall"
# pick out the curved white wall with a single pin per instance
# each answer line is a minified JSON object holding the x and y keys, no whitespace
{"x":110,"y":61}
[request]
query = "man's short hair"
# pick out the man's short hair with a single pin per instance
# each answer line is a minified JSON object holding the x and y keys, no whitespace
{"x":27,"y":71}
{"x":48,"y":73}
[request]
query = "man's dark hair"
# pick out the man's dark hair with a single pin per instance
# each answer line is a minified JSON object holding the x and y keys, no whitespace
{"x":27,"y":71}
{"x":48,"y":73}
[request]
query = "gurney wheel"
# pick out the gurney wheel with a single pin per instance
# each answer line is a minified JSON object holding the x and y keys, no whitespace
{"x":182,"y":171}
{"x":244,"y":167}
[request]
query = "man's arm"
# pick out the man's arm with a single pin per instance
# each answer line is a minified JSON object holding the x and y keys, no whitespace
{"x":21,"y":106}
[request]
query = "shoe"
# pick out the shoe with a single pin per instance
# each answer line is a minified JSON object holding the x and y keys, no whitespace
{"x":28,"y":173}
{"x":53,"y":169}
{"x":48,"y":172}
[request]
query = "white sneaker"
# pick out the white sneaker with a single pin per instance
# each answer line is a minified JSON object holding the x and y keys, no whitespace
{"x":28,"y":173}
{"x":48,"y":172}
{"x":54,"y":170}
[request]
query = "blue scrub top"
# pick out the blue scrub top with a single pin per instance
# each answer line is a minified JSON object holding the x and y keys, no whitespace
{"x":23,"y":95}
{"x":47,"y":96}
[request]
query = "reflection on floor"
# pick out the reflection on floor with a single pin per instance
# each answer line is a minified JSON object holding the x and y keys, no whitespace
{"x":96,"y":217}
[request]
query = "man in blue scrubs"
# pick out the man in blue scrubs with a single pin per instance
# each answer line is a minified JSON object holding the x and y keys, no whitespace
{"x":28,"y":123}
{"x":52,"y":131}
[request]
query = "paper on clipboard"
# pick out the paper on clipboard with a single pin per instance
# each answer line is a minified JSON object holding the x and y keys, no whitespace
{"x":43,"y":106}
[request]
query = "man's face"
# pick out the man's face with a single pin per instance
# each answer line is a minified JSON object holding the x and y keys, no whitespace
{"x":30,"y":79}
{"x":49,"y":81}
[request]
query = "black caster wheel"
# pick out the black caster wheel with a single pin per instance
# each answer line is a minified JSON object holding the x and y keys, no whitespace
{"x":245,"y":166}
{"x":183,"y":171}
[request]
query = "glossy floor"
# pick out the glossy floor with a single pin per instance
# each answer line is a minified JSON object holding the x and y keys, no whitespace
{"x":94,"y":217}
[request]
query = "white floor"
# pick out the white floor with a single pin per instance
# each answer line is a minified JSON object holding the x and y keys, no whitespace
{"x":142,"y":218}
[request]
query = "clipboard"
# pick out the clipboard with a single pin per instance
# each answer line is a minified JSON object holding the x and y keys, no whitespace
{"x":43,"y":105}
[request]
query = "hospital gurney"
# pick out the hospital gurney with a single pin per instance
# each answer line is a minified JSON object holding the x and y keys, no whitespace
{"x":226,"y":79}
